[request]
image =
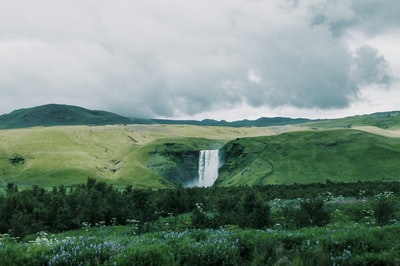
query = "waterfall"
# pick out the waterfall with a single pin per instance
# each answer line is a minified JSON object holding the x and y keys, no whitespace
{"x":208,"y":168}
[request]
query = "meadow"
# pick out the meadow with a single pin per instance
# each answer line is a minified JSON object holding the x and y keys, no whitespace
{"x":309,"y":225}
{"x":340,"y":155}
{"x":117,"y":154}
{"x":311,"y":194}
{"x":160,"y":156}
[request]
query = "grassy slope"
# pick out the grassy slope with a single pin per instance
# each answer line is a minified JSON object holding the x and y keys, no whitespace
{"x":136,"y":154}
{"x":58,"y":114}
{"x":311,"y":156}
{"x":384,"y":120}
{"x":119,"y":154}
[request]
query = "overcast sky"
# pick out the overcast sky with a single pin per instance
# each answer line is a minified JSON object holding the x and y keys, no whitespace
{"x":221,"y":59}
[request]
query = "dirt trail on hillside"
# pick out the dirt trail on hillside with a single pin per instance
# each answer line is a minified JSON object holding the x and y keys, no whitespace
{"x":379,"y":131}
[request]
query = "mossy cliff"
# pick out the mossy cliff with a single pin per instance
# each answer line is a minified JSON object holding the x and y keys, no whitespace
{"x":178,"y":160}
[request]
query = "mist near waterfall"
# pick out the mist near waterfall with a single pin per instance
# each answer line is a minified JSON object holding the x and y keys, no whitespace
{"x":207,"y":174}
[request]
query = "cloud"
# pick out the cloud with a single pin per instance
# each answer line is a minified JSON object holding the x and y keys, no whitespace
{"x":370,"y":67}
{"x":253,"y":77}
{"x":376,"y":17}
{"x":369,"y":16}
{"x":175,"y":58}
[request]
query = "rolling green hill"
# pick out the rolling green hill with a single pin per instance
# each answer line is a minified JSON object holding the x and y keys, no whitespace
{"x":138,"y":155}
{"x":260,"y":122}
{"x":66,"y":115}
{"x":384,"y":120}
{"x":159,"y":155}
{"x":63,"y":115}
{"x":144,"y":154}
{"x":311,"y":156}
{"x":57,"y":114}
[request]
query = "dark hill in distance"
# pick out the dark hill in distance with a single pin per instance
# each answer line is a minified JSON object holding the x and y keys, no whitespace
{"x":57,"y":115}
{"x":65,"y":115}
{"x":260,"y":122}
{"x":384,"y":120}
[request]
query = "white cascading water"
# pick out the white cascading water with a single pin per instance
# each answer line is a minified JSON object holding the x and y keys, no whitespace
{"x":208,"y":168}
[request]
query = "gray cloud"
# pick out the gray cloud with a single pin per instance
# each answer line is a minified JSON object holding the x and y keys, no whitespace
{"x":370,"y":67}
{"x":157,"y":58}
{"x":369,"y":16}
{"x":375,"y":17}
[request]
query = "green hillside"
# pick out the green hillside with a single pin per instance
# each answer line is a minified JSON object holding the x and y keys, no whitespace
{"x":63,"y":115}
{"x":260,"y":122}
{"x":160,"y":155}
{"x":384,"y":120}
{"x":311,"y":156}
{"x":57,"y":114}
{"x":138,"y":155}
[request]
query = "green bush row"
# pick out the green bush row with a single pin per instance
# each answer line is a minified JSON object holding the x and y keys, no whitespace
{"x":96,"y":203}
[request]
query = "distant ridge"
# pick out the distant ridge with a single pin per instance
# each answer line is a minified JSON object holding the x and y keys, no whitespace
{"x":384,"y":120}
{"x":260,"y":122}
{"x":58,"y":114}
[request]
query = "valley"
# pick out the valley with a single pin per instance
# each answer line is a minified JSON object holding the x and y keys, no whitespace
{"x":121,"y":193}
{"x":55,"y":145}
{"x":121,"y":154}
{"x":162,"y":155}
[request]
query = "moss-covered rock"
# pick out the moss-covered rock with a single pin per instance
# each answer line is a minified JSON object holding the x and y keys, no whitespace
{"x":178,"y":160}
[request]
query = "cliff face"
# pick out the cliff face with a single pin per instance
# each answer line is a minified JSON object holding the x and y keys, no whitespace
{"x":178,"y":162}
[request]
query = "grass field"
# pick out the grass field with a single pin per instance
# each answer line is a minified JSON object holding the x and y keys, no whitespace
{"x":384,"y":120}
{"x":139,"y":155}
{"x":342,"y":155}
{"x":51,"y":156}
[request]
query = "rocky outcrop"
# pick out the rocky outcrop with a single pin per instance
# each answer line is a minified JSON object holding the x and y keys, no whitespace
{"x":178,"y":162}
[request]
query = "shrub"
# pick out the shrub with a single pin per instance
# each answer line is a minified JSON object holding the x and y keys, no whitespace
{"x":384,"y":258}
{"x":312,"y":213}
{"x":152,"y":254}
{"x":383,"y":206}
{"x":253,"y":212}
{"x":199,"y":217}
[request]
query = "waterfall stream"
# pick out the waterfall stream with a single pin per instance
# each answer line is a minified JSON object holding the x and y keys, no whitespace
{"x":208,"y":167}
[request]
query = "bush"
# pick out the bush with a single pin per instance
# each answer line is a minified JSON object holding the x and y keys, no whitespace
{"x":383,"y":206}
{"x":152,"y":254}
{"x":199,"y":217}
{"x":253,"y":213}
{"x":384,"y":258}
{"x":312,"y":213}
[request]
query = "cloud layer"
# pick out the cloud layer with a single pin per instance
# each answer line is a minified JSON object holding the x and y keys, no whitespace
{"x":178,"y":58}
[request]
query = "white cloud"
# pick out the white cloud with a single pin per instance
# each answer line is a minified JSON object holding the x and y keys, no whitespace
{"x":253,"y":77}
{"x":182,"y":59}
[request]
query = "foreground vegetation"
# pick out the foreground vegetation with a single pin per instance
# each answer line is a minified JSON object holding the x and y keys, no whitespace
{"x":94,"y":223}
{"x":332,"y":245}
